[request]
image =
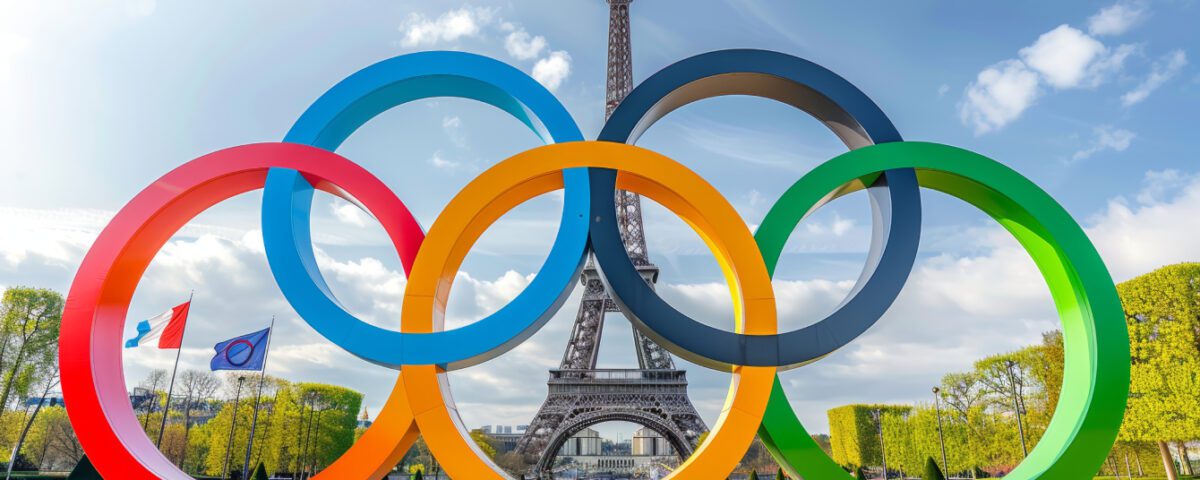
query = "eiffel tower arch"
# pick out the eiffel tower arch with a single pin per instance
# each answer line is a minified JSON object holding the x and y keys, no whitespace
{"x":653,"y":395}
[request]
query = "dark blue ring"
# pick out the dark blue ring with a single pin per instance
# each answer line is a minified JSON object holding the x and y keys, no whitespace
{"x":895,"y":202}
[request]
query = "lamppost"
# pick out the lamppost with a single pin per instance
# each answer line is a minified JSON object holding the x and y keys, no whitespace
{"x":1012,"y":379}
{"x":311,"y":402}
{"x":232,"y":425}
{"x":878,"y":415}
{"x":937,"y":405}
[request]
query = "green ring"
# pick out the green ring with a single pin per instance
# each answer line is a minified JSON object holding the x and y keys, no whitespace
{"x":1096,"y":342}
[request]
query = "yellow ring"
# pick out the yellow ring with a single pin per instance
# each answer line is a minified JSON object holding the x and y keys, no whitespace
{"x":538,"y":171}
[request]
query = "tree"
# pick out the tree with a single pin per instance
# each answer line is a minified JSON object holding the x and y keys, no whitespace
{"x":29,"y":324}
{"x":484,"y":443}
{"x":53,"y":441}
{"x":49,"y":382}
{"x":197,"y":387}
{"x":753,"y":475}
{"x":260,"y":472}
{"x":1163,"y":317}
{"x":860,"y":474}
{"x":155,"y":380}
{"x":932,"y":471}
{"x":301,"y":426}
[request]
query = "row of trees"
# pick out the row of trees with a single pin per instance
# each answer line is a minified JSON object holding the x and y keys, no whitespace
{"x":29,"y":323}
{"x":992,"y":415}
{"x":978,"y":413}
{"x":301,"y":427}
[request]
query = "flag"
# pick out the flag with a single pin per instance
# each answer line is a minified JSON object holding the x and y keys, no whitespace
{"x":241,"y":353}
{"x":165,"y":328}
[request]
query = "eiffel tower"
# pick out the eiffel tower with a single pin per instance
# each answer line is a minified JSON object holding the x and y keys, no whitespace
{"x":653,"y":395}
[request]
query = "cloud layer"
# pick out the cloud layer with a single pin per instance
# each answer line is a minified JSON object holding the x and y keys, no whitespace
{"x":1064,"y":58}
{"x":1061,"y":59}
{"x":485,"y":24}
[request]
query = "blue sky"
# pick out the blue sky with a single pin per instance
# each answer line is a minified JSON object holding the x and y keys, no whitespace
{"x":1090,"y":100}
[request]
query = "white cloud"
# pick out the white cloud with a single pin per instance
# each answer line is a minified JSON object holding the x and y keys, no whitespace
{"x":1118,"y":18}
{"x":943,"y":89}
{"x":56,"y":236}
{"x":523,"y":46}
{"x":1159,"y":185}
{"x":1106,"y":138}
{"x":349,"y":213}
{"x":1062,"y":56}
{"x":837,"y":227}
{"x":448,"y":27}
{"x":1163,"y":71}
{"x":1153,"y":230}
{"x":998,"y":96}
{"x":553,"y":70}
{"x":443,"y":163}
{"x":452,"y":125}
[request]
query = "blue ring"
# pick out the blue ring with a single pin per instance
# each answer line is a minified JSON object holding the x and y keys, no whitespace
{"x":895,"y":201}
{"x":287,"y":206}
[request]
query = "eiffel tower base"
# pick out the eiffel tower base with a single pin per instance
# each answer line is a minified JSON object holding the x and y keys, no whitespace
{"x":656,"y":399}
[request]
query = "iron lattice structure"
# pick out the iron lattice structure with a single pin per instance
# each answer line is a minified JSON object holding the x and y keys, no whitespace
{"x":653,"y":395}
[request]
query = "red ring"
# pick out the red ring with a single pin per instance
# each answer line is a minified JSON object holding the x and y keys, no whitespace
{"x":93,"y":379}
{"x":239,"y":342}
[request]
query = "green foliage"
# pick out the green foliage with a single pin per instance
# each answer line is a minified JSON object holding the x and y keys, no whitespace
{"x":29,"y":324}
{"x":1163,"y":315}
{"x":260,"y":473}
{"x":753,"y":475}
{"x":417,"y":475}
{"x":859,"y":473}
{"x":979,"y":407}
{"x":977,"y":416}
{"x":932,"y":472}
{"x":51,"y":443}
{"x":854,"y":434}
{"x":484,"y":443}
{"x":299,"y":425}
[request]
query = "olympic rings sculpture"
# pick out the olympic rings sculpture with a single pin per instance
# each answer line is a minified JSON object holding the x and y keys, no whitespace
{"x":890,"y":170}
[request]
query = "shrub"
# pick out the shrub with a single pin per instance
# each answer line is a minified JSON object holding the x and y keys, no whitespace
{"x":932,"y":472}
{"x":260,"y":473}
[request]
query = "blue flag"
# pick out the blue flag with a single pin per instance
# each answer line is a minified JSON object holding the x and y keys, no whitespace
{"x":242,"y":353}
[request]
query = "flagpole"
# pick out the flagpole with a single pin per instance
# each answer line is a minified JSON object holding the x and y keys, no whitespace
{"x":162,"y":427}
{"x":258,"y":399}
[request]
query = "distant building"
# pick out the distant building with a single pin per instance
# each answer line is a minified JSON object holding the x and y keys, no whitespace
{"x":201,"y":411}
{"x":649,"y":443}
{"x":587,"y":451}
{"x":365,"y":420}
{"x":50,"y":401}
{"x":504,"y":437}
{"x":586,"y":442}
